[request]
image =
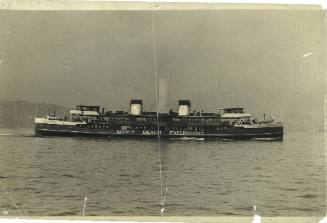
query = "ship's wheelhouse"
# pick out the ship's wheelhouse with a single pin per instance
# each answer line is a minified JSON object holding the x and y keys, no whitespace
{"x":234,"y":115}
{"x":237,"y":110}
{"x":88,"y":108}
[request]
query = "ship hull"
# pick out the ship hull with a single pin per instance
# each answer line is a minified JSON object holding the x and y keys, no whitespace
{"x":271,"y":133}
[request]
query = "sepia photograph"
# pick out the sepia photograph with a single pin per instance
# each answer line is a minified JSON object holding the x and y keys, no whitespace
{"x":162,"y":110}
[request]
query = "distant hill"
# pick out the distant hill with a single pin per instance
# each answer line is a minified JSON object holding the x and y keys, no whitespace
{"x":19,"y":114}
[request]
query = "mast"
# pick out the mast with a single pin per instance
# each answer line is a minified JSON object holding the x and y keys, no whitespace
{"x":35,"y":113}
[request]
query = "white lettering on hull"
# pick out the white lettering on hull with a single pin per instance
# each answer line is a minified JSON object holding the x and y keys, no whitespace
{"x":151,"y":132}
{"x":185,"y":133}
{"x":125,"y":131}
{"x":155,"y":132}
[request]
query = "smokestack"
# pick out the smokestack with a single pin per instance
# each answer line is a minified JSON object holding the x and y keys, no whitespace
{"x":163,"y":95}
{"x":184,"y":107}
{"x":136,"y":107}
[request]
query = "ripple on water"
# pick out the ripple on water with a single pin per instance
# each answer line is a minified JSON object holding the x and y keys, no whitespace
{"x":52,"y":176}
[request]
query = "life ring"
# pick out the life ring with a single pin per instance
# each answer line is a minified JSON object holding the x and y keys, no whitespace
{"x":89,"y":120}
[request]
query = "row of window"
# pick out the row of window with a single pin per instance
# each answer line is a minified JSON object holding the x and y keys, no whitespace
{"x":225,"y":128}
{"x":170,"y":128}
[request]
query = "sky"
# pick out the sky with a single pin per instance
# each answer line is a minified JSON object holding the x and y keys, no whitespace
{"x":264,"y":60}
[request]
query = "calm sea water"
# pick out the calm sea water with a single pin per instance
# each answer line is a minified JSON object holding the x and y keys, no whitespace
{"x":52,"y":176}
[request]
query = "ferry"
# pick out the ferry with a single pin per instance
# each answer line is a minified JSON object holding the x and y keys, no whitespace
{"x":226,"y":123}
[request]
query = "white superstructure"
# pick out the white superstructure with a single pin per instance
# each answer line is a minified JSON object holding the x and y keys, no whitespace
{"x":50,"y":121}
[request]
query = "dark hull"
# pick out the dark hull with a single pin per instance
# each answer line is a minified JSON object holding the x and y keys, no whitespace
{"x":272,"y":133}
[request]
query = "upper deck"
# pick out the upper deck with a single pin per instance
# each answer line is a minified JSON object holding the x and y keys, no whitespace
{"x":136,"y":115}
